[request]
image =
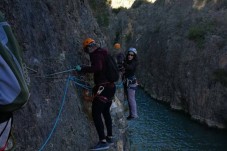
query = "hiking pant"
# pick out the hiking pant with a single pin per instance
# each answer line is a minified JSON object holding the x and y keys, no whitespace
{"x":101,"y":107}
{"x":130,"y":92}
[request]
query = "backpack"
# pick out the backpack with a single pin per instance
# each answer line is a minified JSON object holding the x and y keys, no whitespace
{"x":112,"y":72}
{"x":14,"y":91}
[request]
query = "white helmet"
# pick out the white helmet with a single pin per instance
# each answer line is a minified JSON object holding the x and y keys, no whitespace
{"x":132,"y":50}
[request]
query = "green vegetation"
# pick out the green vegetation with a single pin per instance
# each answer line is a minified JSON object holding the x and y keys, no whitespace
{"x":117,"y":37}
{"x":220,"y":75}
{"x":128,"y":37}
{"x":198,"y":32}
{"x":180,"y":23}
{"x":117,"y":10}
{"x":2,"y":16}
{"x":103,"y":20}
{"x":93,"y":4}
{"x":101,"y":11}
{"x":138,"y":3}
{"x":157,"y":29}
{"x":160,"y":2}
{"x":223,"y":4}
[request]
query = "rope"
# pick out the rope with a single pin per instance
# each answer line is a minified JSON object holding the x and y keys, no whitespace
{"x":59,"y":114}
{"x":32,"y":70}
{"x":83,"y":86}
{"x":77,"y":82}
{"x":119,"y":85}
{"x":56,"y":73}
{"x":26,"y":76}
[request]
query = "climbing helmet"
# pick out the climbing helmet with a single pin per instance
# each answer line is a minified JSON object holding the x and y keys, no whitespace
{"x":132,"y":50}
{"x":87,"y":42}
{"x":117,"y":46}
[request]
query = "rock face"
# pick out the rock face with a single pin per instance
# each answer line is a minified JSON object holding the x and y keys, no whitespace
{"x":182,"y":50}
{"x":50,"y":32}
{"x":181,"y":45}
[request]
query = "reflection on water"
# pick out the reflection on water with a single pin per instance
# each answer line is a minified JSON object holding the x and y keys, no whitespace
{"x":159,"y":128}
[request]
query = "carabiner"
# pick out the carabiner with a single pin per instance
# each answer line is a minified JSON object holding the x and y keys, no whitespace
{"x":101,"y":88}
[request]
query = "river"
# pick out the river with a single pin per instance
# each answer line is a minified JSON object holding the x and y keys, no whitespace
{"x":159,"y":128}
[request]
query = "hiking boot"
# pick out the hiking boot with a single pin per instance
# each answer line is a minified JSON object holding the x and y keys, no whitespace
{"x":109,"y":140}
{"x":101,"y":146}
{"x":131,"y":118}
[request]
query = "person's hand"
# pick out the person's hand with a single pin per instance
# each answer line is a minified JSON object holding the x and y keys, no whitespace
{"x":78,"y":68}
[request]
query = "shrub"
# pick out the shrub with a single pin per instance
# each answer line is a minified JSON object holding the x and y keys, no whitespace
{"x":117,"y":10}
{"x":198,"y":32}
{"x":103,"y":20}
{"x":3,"y":15}
{"x":117,"y":37}
{"x":138,"y":3}
{"x":128,"y":37}
{"x":220,"y":75}
{"x":100,"y":9}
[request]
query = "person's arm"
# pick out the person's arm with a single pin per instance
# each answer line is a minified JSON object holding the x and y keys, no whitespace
{"x":96,"y":65}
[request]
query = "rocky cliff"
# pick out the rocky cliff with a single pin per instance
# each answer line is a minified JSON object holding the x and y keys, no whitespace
{"x":182,"y":49}
{"x":181,"y":46}
{"x":50,"y":34}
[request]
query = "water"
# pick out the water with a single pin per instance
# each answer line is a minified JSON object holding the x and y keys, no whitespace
{"x":161,"y":129}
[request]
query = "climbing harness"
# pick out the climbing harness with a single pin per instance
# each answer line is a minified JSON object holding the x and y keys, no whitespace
{"x":130,"y":80}
{"x":101,"y":98}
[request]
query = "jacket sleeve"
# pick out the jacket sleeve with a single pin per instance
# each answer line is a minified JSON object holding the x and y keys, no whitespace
{"x":96,"y":64}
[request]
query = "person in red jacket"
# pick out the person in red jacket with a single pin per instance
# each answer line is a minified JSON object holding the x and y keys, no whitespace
{"x":103,"y":92}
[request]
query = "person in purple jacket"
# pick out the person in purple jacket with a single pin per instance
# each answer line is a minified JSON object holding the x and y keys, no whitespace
{"x":103,"y":92}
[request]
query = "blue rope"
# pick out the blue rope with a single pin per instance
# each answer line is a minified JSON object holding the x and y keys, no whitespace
{"x":60,"y":111}
{"x":56,"y":73}
{"x":82,"y":85}
{"x":119,"y":85}
{"x":77,"y":82}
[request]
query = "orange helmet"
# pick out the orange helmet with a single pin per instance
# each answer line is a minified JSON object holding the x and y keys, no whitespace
{"x":87,"y":42}
{"x":117,"y":46}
